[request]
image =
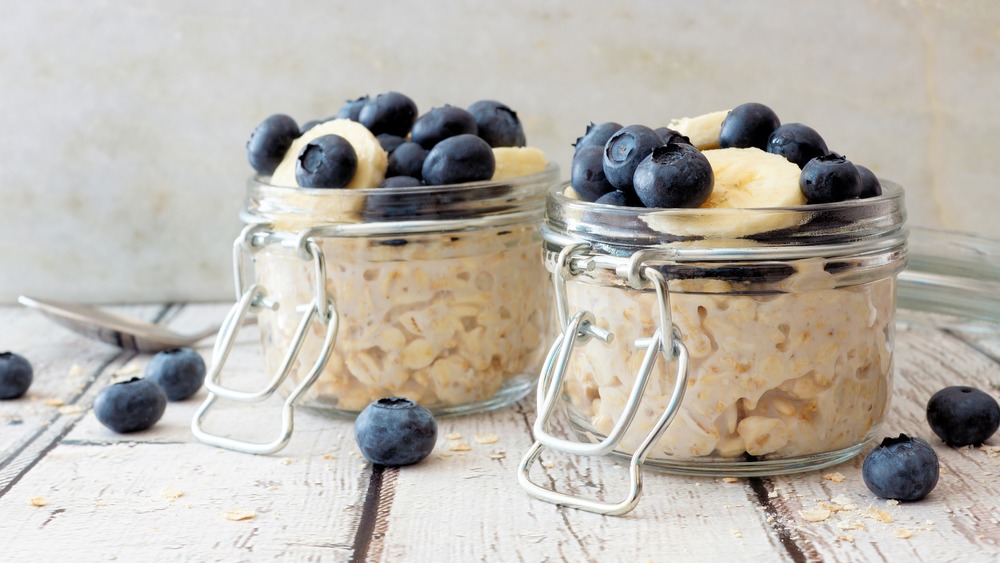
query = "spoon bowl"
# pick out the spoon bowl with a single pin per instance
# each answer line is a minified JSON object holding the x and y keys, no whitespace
{"x":118,"y":330}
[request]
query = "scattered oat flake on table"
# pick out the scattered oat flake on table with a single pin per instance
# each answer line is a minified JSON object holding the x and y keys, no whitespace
{"x":548,"y":464}
{"x":486,"y":438}
{"x":848,"y":525}
{"x":877,"y":514}
{"x":171,"y":494}
{"x":772,"y":494}
{"x":836,"y":477}
{"x":736,"y":533}
{"x":72,"y":409}
{"x":892,"y":502}
{"x":730,"y":480}
{"x":55,"y":402}
{"x":453,"y":436}
{"x":38,"y":501}
{"x":845,"y":537}
{"x":902,"y":533}
{"x":498,"y":454}
{"x":329,"y":456}
{"x":817,"y":514}
{"x":285,"y":461}
{"x":236,"y":514}
{"x":460,"y":447}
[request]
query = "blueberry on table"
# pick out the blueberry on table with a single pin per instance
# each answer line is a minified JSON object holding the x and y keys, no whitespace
{"x":587,"y":174}
{"x":674,"y":175}
{"x":870,"y":186}
{"x":625,"y":150}
{"x":440,"y":123}
{"x":407,"y":160}
{"x":497,"y":124}
{"x":395,"y":431}
{"x":391,"y":113}
{"x":619,"y":199}
{"x":400,"y":182}
{"x":352,"y":109}
{"x":328,"y":161}
{"x":901,"y":468}
{"x":180,"y":372}
{"x":748,"y":125}
{"x":463,"y":158}
{"x":15,"y":375}
{"x":963,"y":416}
{"x":270,"y":141}
{"x":389,"y":142}
{"x":130,"y":406}
{"x":596,"y":135}
{"x":796,"y":142}
{"x":829,"y":178}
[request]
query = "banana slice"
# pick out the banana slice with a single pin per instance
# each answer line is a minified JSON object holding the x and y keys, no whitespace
{"x":703,"y":130}
{"x":372,"y":160}
{"x":513,"y":162}
{"x":749,"y":183}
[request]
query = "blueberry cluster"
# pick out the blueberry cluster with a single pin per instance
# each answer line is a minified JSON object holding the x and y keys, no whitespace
{"x":826,"y":176}
{"x":446,"y":145}
{"x":637,"y":166}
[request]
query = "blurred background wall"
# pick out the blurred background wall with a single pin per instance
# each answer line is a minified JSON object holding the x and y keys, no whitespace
{"x":123,"y":122}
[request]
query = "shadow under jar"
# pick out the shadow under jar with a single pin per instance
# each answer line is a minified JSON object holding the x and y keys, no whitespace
{"x":786,"y":315}
{"x":440,"y":294}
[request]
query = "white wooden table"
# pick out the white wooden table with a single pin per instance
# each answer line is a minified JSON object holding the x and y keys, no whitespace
{"x":72,"y":490}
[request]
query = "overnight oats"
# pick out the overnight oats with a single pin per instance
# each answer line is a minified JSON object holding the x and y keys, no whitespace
{"x":778,"y":262}
{"x":428,"y":229}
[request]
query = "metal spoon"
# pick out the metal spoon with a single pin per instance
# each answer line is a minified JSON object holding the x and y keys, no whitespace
{"x":117,"y":330}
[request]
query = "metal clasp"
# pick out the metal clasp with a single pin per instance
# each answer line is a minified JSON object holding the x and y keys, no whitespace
{"x":321,"y":309}
{"x":577,"y":331}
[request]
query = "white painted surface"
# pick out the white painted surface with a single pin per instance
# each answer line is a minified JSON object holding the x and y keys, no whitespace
{"x":122,"y":124}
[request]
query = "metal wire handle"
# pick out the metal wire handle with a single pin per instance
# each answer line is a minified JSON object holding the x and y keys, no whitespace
{"x":322,"y":309}
{"x":576,"y":332}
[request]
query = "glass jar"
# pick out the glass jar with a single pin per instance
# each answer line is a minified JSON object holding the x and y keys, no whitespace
{"x":436,"y":294}
{"x":734,"y":342}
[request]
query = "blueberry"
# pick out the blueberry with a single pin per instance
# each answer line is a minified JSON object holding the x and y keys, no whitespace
{"x":270,"y":141}
{"x":870,"y":186}
{"x":352,"y":109}
{"x":668,"y":136}
{"x":829,"y":178}
{"x":407,"y":160}
{"x":395,"y":431}
{"x":15,"y":375}
{"x":625,"y":150}
{"x":390,"y":112}
{"x":963,"y":416}
{"x":463,"y":158}
{"x":130,"y":405}
{"x":440,"y":123}
{"x":674,"y":175}
{"x":180,"y":372}
{"x":497,"y":124}
{"x":796,"y":142}
{"x":400,"y":182}
{"x":619,"y":198}
{"x":587,"y":174}
{"x":748,"y":125}
{"x":308,"y":125}
{"x":596,"y":135}
{"x":389,"y":142}
{"x":328,"y":161}
{"x":901,"y":468}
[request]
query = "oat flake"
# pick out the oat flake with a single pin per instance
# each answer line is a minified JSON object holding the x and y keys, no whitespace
{"x":818,"y":514}
{"x":453,"y":436}
{"x":836,"y":477}
{"x":902,"y":533}
{"x":38,"y":501}
{"x":236,"y":515}
{"x":487,"y":438}
{"x":171,"y":494}
{"x":460,"y":447}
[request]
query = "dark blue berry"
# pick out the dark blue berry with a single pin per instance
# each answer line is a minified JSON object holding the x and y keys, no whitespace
{"x":440,"y":123}
{"x":497,"y":124}
{"x":130,"y":405}
{"x":587,"y":174}
{"x":668,"y":136}
{"x":674,"y":175}
{"x":901,"y":468}
{"x":389,"y":142}
{"x":625,"y":150}
{"x":407,"y":160}
{"x":180,"y":372}
{"x":400,"y":182}
{"x":829,"y":178}
{"x":464,"y":158}
{"x":870,"y":186}
{"x":748,"y":125}
{"x":391,"y":113}
{"x":270,"y":141}
{"x":796,"y":142}
{"x":352,"y":109}
{"x":328,"y":161}
{"x":963,"y":416}
{"x":15,"y":375}
{"x":596,"y":135}
{"x":395,"y":432}
{"x":619,"y":198}
{"x":307,"y":126}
